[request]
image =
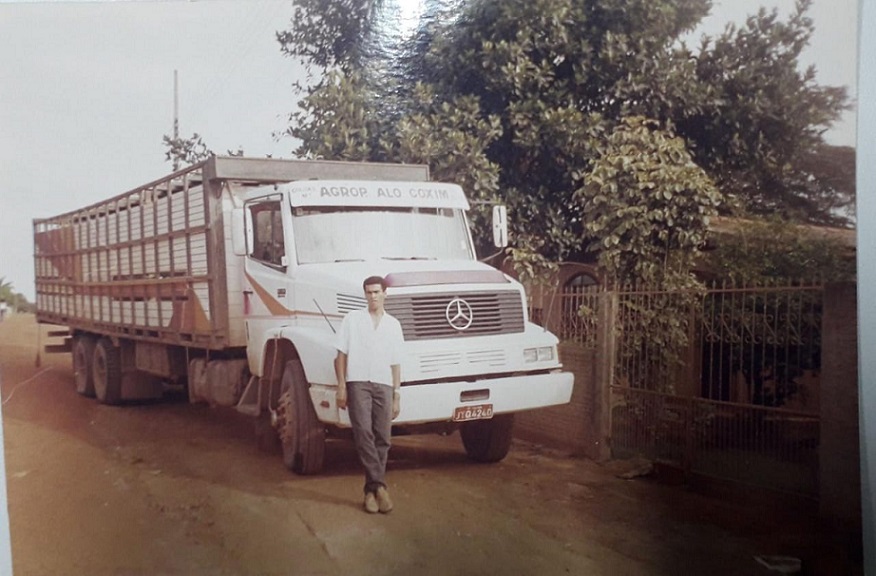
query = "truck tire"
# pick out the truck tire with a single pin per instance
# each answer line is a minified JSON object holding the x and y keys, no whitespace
{"x":106,"y":369}
{"x":302,"y":435}
{"x":83,"y":355}
{"x":488,"y":440}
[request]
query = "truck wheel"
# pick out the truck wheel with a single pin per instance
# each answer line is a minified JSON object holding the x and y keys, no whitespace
{"x":301,"y":433}
{"x":83,"y":354}
{"x":488,"y":440}
{"x":106,"y":369}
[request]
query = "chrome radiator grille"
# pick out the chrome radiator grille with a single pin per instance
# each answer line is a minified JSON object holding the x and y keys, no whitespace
{"x":425,"y":316}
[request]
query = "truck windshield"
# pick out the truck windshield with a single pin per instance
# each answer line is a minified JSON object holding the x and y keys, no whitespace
{"x":332,"y":234}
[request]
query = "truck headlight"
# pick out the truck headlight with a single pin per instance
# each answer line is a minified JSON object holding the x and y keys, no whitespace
{"x":543,"y":354}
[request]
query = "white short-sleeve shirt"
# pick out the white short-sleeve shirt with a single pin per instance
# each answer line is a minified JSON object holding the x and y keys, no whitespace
{"x":370,"y":351}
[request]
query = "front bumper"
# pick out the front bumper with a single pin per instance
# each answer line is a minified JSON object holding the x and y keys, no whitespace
{"x":423,"y":403}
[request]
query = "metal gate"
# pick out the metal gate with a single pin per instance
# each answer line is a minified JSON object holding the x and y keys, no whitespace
{"x":731,"y":392}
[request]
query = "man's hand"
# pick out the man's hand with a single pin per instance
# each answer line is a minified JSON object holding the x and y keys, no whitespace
{"x":396,"y":405}
{"x":341,"y":397}
{"x":341,"y":373}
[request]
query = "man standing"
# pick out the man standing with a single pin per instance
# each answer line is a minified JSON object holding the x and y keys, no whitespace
{"x":368,"y":367}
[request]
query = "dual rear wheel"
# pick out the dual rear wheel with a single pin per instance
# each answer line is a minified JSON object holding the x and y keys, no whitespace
{"x":83,"y":354}
{"x":97,"y":368}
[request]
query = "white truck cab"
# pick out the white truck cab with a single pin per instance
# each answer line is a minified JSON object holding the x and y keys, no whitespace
{"x":470,"y":351}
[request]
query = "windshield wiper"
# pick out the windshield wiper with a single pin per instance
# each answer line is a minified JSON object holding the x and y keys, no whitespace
{"x":350,"y":260}
{"x":407,"y":258}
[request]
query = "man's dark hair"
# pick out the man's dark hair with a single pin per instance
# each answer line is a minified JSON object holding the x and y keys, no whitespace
{"x":374,"y":280}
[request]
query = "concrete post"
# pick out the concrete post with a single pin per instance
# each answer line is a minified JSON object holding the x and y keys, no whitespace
{"x":839,"y":450}
{"x":605,"y":358}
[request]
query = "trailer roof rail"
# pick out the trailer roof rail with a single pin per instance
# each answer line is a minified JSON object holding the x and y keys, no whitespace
{"x":274,"y":170}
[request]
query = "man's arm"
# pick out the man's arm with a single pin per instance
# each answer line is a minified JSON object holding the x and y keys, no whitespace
{"x":341,"y":374}
{"x":396,"y":385}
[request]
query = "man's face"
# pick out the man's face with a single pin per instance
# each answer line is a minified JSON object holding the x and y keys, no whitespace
{"x":375,"y":295}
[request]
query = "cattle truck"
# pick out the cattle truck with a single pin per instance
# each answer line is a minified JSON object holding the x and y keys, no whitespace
{"x":230,"y":278}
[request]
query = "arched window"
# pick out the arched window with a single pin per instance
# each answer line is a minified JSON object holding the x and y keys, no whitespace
{"x":579,"y":282}
{"x":578,"y":309}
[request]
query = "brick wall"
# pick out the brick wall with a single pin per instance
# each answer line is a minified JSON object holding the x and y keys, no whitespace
{"x":569,"y":427}
{"x":839,"y":454}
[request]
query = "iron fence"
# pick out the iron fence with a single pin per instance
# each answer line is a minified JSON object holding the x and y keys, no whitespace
{"x":761,"y":346}
{"x":577,"y":311}
{"x":723,"y":383}
{"x":754,"y":445}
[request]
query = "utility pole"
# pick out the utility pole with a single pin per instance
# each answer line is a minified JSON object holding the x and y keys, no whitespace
{"x":175,"y":117}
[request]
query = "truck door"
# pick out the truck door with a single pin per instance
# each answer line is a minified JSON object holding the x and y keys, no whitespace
{"x":267,"y":297}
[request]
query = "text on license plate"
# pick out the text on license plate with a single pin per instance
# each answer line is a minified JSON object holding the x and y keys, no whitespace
{"x":476,"y":412}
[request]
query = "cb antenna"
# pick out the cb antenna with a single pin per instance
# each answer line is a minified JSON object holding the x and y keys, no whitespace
{"x":175,"y":117}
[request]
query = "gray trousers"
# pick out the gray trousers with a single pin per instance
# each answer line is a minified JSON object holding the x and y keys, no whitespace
{"x":370,"y":407}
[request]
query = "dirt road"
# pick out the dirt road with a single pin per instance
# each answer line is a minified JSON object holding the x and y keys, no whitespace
{"x":173,"y":488}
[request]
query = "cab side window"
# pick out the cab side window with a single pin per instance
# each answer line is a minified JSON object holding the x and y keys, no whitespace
{"x":267,"y":237}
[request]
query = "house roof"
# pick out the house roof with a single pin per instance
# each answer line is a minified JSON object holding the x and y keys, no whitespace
{"x":845,"y":236}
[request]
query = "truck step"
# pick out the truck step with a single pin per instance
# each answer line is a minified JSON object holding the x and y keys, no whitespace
{"x":58,"y":348}
{"x":58,"y":333}
{"x":248,"y":409}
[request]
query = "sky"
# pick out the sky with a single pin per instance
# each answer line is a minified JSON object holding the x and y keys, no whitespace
{"x":87,"y":92}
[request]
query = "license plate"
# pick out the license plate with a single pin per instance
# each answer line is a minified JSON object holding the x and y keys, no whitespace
{"x":476,"y":412}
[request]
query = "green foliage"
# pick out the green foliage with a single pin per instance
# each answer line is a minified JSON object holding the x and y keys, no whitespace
{"x":518,"y":100}
{"x":559,"y":74}
{"x":758,"y":128}
{"x":453,"y":139}
{"x":654,"y":328}
{"x":647,"y":204}
{"x":190,"y":151}
{"x":14,"y":300}
{"x":828,"y":174}
{"x":759,"y":251}
{"x":329,"y":35}
{"x":531,"y":267}
{"x":335,"y":121}
{"x":185,"y":150}
{"x":6,"y":292}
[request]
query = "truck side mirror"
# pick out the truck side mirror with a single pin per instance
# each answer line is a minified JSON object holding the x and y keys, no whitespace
{"x":500,"y":226}
{"x":238,"y":232}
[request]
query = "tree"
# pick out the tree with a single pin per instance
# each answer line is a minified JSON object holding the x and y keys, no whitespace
{"x":649,"y":205}
{"x":453,"y":138}
{"x":335,"y":122}
{"x":554,"y":79}
{"x":16,"y":301}
{"x":553,"y":71}
{"x":332,"y":35}
{"x":759,"y":130}
{"x":186,"y":150}
{"x":541,"y":131}
{"x":366,"y":38}
{"x":191,"y":150}
{"x":828,"y":173}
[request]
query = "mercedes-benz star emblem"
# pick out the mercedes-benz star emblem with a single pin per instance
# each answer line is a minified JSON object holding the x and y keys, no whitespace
{"x":459,"y":314}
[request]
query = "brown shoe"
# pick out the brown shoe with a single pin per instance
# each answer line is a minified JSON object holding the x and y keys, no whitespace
{"x":384,"y":502}
{"x":371,"y":503}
